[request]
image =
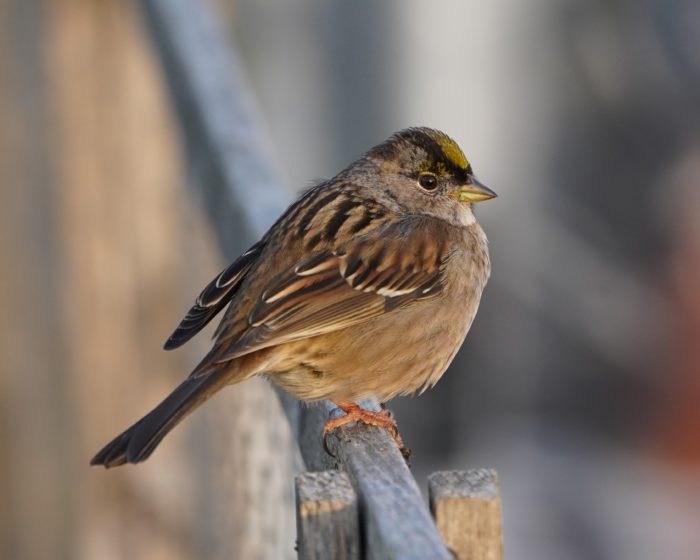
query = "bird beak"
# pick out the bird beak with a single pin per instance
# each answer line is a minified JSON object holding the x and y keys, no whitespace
{"x":473,"y":191}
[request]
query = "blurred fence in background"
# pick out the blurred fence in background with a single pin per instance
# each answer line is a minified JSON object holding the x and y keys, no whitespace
{"x":581,"y":377}
{"x":102,"y":249}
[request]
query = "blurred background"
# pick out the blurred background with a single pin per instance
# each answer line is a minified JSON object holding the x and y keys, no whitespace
{"x":580,"y":380}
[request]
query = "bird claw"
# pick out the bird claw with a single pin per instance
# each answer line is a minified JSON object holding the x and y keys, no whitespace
{"x":355,"y":413}
{"x":325,"y":444}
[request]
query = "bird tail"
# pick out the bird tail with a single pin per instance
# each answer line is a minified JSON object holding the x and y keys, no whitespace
{"x":138,"y":442}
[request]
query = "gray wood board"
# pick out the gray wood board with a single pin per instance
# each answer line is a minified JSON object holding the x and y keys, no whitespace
{"x":395,"y":518}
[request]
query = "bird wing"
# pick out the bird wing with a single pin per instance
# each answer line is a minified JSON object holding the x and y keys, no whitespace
{"x":214,"y":298}
{"x":335,"y":289}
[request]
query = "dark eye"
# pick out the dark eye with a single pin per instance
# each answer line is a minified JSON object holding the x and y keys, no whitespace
{"x":428,"y":181}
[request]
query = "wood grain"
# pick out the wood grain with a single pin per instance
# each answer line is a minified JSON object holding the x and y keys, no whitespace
{"x":396,"y":521}
{"x":467,"y":510}
{"x":327,"y":517}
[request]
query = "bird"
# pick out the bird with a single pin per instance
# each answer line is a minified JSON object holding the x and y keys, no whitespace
{"x":366,"y":286}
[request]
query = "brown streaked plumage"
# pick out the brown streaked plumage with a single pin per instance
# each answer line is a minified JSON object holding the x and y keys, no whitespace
{"x":365,"y":286}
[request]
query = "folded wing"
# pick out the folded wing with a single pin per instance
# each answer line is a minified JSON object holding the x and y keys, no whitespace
{"x":333,"y":290}
{"x":214,"y":297}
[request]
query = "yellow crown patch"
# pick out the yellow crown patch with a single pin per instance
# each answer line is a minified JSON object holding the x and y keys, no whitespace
{"x":451,"y":150}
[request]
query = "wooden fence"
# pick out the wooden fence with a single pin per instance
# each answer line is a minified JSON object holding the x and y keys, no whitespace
{"x":363,"y":502}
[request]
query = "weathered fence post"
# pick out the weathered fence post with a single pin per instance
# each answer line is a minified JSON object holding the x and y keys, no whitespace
{"x":328,"y":524}
{"x":467,"y":510}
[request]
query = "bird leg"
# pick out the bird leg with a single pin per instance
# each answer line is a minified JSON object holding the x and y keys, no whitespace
{"x":355,"y":413}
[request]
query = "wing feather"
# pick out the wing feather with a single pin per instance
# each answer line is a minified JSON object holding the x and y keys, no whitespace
{"x":213,"y":298}
{"x":333,"y":290}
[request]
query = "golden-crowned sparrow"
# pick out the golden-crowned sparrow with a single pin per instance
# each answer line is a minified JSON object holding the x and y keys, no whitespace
{"x":366,"y":286}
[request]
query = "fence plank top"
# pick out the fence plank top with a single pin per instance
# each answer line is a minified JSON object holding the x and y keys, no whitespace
{"x":467,"y":509}
{"x":327,"y":517}
{"x":397,"y":522}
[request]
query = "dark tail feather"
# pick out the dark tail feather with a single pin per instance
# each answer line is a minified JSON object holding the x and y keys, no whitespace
{"x":138,"y":442}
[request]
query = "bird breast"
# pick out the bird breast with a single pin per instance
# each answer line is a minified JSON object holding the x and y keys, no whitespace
{"x":399,"y":353}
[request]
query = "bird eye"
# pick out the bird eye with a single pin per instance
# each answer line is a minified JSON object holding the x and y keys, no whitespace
{"x":428,"y":181}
